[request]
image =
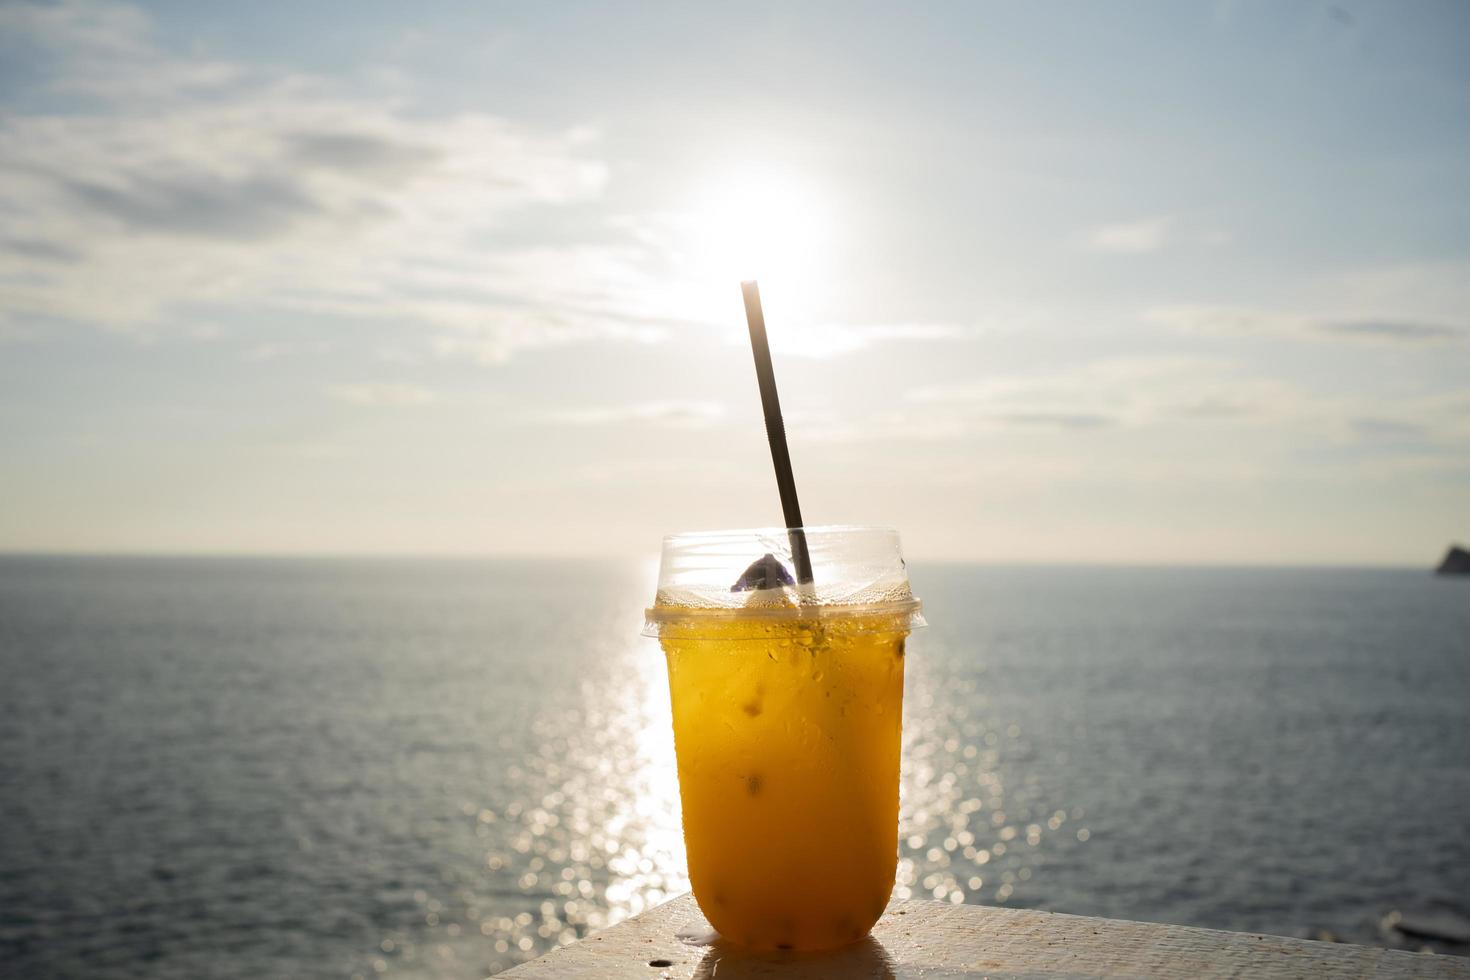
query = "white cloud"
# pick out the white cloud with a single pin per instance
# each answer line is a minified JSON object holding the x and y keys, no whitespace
{"x":1111,"y":391}
{"x":1392,"y":331}
{"x":270,"y":350}
{"x":494,"y":337}
{"x":833,"y":339}
{"x":216,"y":185}
{"x":1415,"y":304}
{"x":1446,"y":415}
{"x":1226,"y":321}
{"x":108,"y":50}
{"x":1130,"y":393}
{"x":671,"y":414}
{"x":182,"y":186}
{"x":1220,"y":405}
{"x":1434,"y":290}
{"x":1129,"y":237}
{"x":381,"y":394}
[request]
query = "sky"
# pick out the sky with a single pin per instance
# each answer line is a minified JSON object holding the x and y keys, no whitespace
{"x":1054,"y":282}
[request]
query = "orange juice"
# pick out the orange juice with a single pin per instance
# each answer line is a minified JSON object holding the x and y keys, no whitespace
{"x":787,"y":730}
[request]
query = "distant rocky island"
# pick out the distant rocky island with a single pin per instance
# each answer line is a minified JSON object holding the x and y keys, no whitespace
{"x":1456,"y":562}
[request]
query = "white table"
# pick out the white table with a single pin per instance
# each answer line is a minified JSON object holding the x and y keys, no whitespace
{"x":933,"y":941}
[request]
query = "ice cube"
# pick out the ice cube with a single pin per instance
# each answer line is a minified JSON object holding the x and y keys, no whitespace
{"x":766,"y":572}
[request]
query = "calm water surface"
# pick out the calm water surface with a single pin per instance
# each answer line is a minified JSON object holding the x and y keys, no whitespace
{"x":438,"y":769}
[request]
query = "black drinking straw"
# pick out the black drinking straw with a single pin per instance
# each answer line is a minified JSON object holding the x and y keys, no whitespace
{"x":776,"y":431}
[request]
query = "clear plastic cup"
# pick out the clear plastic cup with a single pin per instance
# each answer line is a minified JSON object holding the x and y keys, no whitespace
{"x":788,"y":706}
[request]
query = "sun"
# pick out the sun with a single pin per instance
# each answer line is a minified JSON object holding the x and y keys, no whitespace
{"x":758,"y":222}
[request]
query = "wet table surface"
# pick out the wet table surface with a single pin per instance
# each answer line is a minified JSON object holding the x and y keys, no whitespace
{"x":935,"y":941}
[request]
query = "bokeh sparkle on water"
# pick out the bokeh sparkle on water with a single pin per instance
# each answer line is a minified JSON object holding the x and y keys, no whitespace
{"x":593,"y":813}
{"x":438,"y":769}
{"x":593,"y":816}
{"x":584,"y":830}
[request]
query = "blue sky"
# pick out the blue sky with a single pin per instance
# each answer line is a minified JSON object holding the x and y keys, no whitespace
{"x":1045,"y":282}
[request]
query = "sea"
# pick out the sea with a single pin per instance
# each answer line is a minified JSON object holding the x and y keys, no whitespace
{"x":252,"y":767}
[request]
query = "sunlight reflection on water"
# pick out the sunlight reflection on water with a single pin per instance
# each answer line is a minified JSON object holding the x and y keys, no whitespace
{"x":971,"y":820}
{"x":439,"y":769}
{"x":593,"y":819}
{"x":597,"y":807}
{"x":593,"y":831}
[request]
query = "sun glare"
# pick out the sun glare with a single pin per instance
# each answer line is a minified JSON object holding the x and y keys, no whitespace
{"x":759,"y":223}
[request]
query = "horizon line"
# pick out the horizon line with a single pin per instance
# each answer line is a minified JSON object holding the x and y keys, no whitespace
{"x":450,"y":556}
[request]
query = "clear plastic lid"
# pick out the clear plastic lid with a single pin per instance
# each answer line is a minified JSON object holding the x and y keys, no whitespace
{"x":750,"y":575}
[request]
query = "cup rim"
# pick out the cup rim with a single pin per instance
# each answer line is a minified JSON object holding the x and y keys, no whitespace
{"x":746,"y":532}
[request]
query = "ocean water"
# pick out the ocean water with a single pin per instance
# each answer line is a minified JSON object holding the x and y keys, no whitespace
{"x":316,"y":768}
